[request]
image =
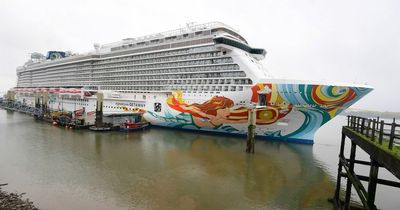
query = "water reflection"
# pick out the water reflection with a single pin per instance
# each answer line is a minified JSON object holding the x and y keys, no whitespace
{"x":157,"y":168}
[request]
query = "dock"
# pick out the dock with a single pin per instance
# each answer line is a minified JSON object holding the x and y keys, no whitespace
{"x":103,"y":122}
{"x":381,"y":141}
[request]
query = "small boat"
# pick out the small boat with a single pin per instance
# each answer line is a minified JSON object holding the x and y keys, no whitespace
{"x":133,"y":126}
{"x":94,"y":128}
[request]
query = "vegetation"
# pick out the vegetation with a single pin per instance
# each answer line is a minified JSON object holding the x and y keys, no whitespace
{"x":395,"y":151}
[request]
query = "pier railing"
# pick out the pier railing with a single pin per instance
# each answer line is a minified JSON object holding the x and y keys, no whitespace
{"x":385,"y":134}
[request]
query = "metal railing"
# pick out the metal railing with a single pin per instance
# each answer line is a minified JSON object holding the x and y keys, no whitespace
{"x":376,"y":129}
{"x":188,"y":29}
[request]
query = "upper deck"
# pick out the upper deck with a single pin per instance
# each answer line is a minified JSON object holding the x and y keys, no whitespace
{"x":190,"y":31}
{"x":190,"y":35}
{"x":204,"y":57}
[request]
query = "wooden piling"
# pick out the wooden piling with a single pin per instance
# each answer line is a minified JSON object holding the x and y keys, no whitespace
{"x":373,"y":178}
{"x":392,"y":130}
{"x":99,"y":109}
{"x":251,"y":131}
{"x":37,"y":100}
{"x":351,"y":170}
{"x":45,"y":108}
{"x":362,"y":125}
{"x":381,"y":132}
{"x":373,"y":130}
{"x":339,"y":176}
{"x":368,"y":128}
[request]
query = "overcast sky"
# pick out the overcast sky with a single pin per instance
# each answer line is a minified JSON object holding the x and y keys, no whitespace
{"x":331,"y":41}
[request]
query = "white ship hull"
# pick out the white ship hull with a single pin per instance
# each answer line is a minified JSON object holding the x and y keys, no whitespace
{"x":293,"y":112}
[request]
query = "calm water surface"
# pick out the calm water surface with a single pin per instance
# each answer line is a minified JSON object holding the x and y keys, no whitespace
{"x":165,"y":169}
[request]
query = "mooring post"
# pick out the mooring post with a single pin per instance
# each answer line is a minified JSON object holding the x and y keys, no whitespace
{"x":355,"y":123}
{"x":45,"y":107}
{"x":38,"y":112}
{"x":251,"y":131}
{"x":348,"y":120}
{"x":37,"y":100}
{"x":373,"y":130}
{"x":392,"y":130}
{"x":351,"y":171}
{"x":368,"y":127}
{"x":351,"y":122}
{"x":373,"y":180}
{"x":381,"y":131}
{"x":377,"y":123}
{"x":339,"y":175}
{"x":99,"y":109}
{"x":362,"y":125}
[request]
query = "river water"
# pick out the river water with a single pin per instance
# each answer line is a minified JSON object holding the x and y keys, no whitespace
{"x":61,"y":168}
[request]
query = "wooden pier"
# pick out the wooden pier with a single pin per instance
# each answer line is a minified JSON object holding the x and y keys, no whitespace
{"x":381,"y":141}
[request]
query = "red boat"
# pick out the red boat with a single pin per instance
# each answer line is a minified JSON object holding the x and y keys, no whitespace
{"x":132,"y":126}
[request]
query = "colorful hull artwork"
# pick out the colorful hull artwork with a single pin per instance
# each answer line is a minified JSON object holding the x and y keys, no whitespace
{"x":293,"y":112}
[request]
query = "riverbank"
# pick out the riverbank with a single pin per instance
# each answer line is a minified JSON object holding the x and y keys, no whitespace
{"x":11,"y":201}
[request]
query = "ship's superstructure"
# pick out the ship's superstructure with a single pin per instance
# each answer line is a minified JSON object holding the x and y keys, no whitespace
{"x":201,"y":77}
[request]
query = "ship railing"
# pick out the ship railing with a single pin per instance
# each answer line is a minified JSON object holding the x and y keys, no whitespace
{"x":188,"y":29}
{"x":48,"y":63}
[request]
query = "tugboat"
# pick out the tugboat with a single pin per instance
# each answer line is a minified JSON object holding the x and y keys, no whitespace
{"x":133,"y":126}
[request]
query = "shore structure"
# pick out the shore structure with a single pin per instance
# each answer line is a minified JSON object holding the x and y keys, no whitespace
{"x":381,"y":141}
{"x":203,"y":77}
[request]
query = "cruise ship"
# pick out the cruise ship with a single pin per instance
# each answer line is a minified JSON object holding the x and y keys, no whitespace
{"x":202,"y":77}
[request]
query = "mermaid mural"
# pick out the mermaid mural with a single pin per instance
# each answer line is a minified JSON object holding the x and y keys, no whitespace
{"x":211,"y":113}
{"x":219,"y":110}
